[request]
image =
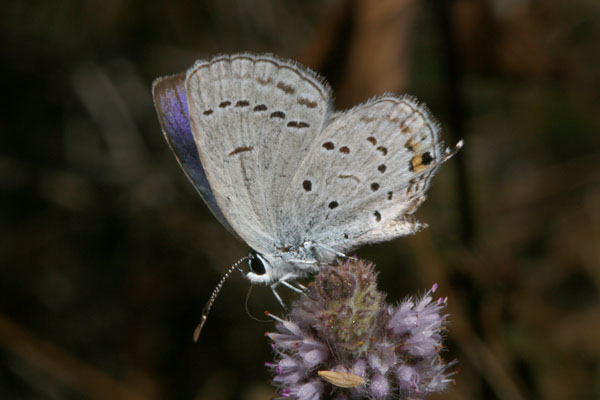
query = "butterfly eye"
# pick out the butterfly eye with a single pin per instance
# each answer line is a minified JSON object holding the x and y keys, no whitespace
{"x":256,"y":265}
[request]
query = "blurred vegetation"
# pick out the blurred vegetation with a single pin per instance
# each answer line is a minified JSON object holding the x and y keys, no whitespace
{"x":108,"y":255}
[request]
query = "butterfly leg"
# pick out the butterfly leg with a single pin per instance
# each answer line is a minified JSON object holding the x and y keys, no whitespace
{"x":294,"y":288}
{"x":299,"y":261}
{"x":277,"y":295}
{"x":337,"y":253}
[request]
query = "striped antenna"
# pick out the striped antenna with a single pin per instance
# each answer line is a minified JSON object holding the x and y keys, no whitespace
{"x":213,"y":297}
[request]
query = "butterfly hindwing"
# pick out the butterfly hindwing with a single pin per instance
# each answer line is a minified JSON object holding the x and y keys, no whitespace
{"x":364,"y":175}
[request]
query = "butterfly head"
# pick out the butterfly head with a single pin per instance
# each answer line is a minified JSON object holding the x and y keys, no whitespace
{"x":260,"y":269}
{"x":271,"y":268}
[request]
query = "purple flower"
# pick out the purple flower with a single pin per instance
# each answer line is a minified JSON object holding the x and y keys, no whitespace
{"x":343,"y":341}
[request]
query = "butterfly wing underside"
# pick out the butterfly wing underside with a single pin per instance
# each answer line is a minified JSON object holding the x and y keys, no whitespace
{"x":365,"y":175}
{"x":172,"y":108}
{"x":254,"y":118}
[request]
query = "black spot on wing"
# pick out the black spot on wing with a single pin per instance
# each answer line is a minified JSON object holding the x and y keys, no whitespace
{"x":277,"y":114}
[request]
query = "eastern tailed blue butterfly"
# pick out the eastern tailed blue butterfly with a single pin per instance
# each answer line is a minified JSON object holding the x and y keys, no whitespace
{"x":299,"y":182}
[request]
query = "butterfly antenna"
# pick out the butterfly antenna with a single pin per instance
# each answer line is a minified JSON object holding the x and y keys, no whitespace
{"x":213,"y":297}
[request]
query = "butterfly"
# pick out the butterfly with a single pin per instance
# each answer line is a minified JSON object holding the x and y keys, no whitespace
{"x":297,"y":181}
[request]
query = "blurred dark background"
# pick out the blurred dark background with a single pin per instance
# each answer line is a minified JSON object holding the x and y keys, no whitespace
{"x":108,"y":255}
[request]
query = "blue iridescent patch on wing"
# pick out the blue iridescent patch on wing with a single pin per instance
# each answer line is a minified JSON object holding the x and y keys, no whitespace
{"x":171,"y":105}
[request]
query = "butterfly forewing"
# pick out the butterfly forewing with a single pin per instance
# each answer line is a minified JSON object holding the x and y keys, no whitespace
{"x":171,"y":105}
{"x":254,"y":119}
